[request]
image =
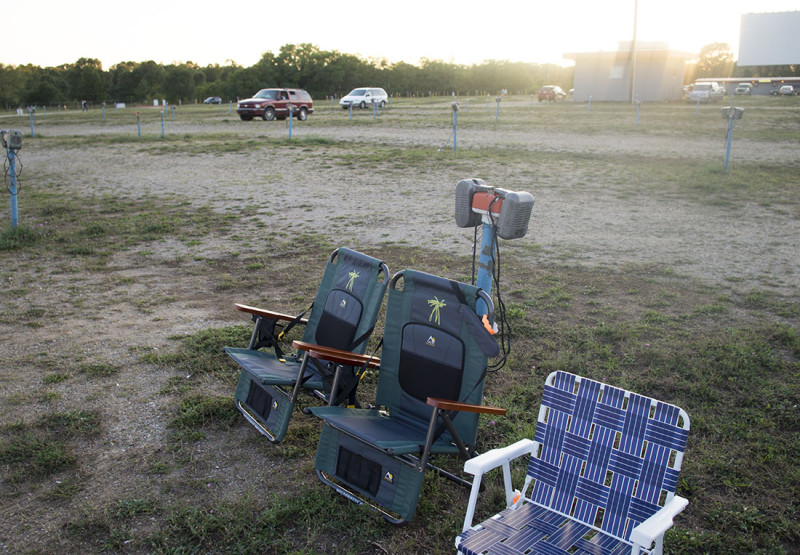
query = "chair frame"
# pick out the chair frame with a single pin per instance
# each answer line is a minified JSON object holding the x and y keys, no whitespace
{"x":647,"y":535}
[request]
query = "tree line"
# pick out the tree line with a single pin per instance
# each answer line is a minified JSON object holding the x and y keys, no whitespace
{"x":322,"y":73}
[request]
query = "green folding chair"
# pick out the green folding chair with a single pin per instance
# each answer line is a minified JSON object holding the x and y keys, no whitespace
{"x":342,"y":317}
{"x":432,"y":372}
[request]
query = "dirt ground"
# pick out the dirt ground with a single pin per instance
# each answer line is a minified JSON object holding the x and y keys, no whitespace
{"x":577,"y":218}
{"x":297,"y":191}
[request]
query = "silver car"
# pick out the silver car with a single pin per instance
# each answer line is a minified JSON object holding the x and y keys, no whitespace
{"x":706,"y":92}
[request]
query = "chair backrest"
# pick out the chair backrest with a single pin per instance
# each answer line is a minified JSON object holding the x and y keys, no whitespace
{"x":607,"y":457}
{"x":348,"y":301}
{"x":431,"y":349}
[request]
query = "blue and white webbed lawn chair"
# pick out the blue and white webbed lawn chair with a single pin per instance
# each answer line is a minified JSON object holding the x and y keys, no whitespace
{"x":430,"y":386}
{"x":601,"y":479}
{"x":342,"y":317}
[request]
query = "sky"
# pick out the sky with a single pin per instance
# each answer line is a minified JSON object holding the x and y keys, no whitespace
{"x":50,"y":33}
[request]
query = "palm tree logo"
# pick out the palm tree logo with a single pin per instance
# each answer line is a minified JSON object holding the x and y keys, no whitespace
{"x":353,"y":275}
{"x":436,"y":304}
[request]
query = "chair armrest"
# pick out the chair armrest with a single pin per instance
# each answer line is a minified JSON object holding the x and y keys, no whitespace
{"x":464,"y":407}
{"x":649,"y":530}
{"x":268,"y":313}
{"x":496,"y":457}
{"x":337,"y":355}
{"x":478,"y":466}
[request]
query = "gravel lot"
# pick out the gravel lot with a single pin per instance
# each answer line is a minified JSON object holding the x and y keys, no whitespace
{"x":580,"y":216}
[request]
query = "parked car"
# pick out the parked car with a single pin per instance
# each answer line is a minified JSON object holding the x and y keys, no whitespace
{"x":363,"y":97}
{"x":710,"y":91}
{"x":551,"y":92}
{"x":783,"y":90}
{"x":213,"y":100}
{"x":743,"y":88}
{"x":270,"y":104}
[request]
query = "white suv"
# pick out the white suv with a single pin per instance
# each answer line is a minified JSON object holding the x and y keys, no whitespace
{"x":363,"y":97}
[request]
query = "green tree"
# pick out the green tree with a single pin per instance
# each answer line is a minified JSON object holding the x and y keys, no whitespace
{"x":179,"y":82}
{"x":149,"y":77}
{"x":87,"y":80}
{"x":124,"y":82}
{"x":46,"y":86}
{"x":715,"y":60}
{"x":11,"y":85}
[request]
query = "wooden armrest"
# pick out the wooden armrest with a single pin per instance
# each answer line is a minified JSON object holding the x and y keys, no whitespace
{"x":454,"y":405}
{"x":344,"y":357}
{"x":268,"y":313}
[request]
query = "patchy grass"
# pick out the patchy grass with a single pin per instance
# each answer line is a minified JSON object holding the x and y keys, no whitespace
{"x":738,"y":379}
{"x":98,"y":226}
{"x":43,"y":448}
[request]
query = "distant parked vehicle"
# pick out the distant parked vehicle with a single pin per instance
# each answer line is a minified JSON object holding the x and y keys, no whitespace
{"x":784,"y":90}
{"x":270,"y":104}
{"x":743,"y":88}
{"x":363,"y":97}
{"x":551,"y":92}
{"x":213,"y":100}
{"x":706,"y":92}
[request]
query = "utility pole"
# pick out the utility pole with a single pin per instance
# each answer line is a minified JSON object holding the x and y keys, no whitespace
{"x":632,"y":89}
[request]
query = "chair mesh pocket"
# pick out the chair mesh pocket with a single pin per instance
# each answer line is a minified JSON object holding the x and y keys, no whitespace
{"x":339,"y":320}
{"x":259,"y":400}
{"x":358,"y":470}
{"x":431,"y":363}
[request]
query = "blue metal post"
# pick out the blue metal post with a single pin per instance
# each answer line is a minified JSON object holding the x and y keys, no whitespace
{"x":455,"y":128}
{"x":497,"y":113}
{"x":374,"y":110}
{"x":138,"y":126}
{"x":230,"y":107}
{"x":638,"y":105}
{"x":31,"y":123}
{"x":728,"y":144}
{"x":485,"y":266}
{"x":589,"y":106}
{"x":173,"y":112}
{"x":697,"y":110}
{"x":44,"y":111}
{"x":468,"y":105}
{"x":12,"y":172}
{"x":162,"y":124}
{"x":351,"y":110}
{"x":291,"y":117}
{"x":391,"y":101}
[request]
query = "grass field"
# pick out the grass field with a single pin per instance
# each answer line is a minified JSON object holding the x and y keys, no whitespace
{"x":117,"y":426}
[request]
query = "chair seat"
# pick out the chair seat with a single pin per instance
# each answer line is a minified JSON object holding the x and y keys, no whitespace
{"x":532,"y":529}
{"x":392,"y":435}
{"x":269,"y":370}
